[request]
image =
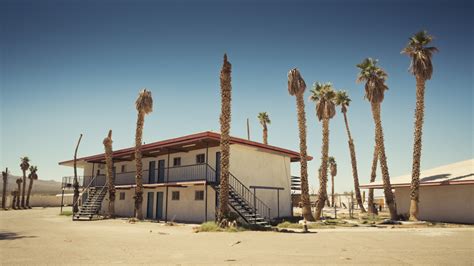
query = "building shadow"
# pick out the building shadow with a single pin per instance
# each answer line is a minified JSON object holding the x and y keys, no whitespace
{"x":444,"y":178}
{"x":13,"y":236}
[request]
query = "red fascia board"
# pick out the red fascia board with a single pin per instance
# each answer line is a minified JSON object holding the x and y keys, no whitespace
{"x":191,"y":138}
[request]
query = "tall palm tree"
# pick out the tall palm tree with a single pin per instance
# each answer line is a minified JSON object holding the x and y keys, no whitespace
{"x":25,"y":164}
{"x":296,"y":87}
{"x":422,"y":68}
{"x":4,"y":194}
{"x":18,"y":183}
{"x":144,"y":106}
{"x":225,"y":118}
{"x":343,"y":100}
{"x":110,"y":175}
{"x":75,"y":199}
{"x":333,"y":170}
{"x":323,"y":95}
{"x":374,"y":78}
{"x":32,"y":176}
{"x":373,"y":174}
{"x":264,"y":120}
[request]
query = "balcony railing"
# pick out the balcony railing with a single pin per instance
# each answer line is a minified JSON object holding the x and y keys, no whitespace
{"x":185,"y":173}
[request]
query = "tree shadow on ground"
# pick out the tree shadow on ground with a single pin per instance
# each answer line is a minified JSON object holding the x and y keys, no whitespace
{"x":13,"y":236}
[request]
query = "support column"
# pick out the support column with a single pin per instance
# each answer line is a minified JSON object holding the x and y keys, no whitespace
{"x":205,"y":183}
{"x":166,"y":184}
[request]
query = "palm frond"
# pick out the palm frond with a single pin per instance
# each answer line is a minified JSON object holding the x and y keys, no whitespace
{"x":144,"y":102}
{"x":296,"y":82}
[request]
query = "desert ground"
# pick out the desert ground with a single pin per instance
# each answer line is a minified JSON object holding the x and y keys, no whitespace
{"x":42,"y":236}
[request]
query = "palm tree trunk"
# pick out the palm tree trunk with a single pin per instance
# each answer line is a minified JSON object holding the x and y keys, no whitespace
{"x":14,"y":194}
{"x":110,"y":175}
{"x":265,"y":134}
{"x":225,"y":119}
{"x":23,"y":194}
{"x":332,"y":191}
{"x":18,"y":197}
{"x":75,"y":199}
{"x":355,"y":173}
{"x":139,"y":166}
{"x":30,"y":186}
{"x":373,"y":174}
{"x":323,"y":177}
{"x":415,"y":176}
{"x":4,"y":194}
{"x":387,"y":188}
{"x":306,"y":204}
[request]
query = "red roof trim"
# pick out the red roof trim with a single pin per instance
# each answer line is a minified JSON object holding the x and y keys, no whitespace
{"x":190,"y":138}
{"x":427,"y":184}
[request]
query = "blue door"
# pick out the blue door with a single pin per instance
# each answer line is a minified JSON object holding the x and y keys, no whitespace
{"x":161,"y":171}
{"x":151,"y":172}
{"x":149,"y":206}
{"x":159,"y":206}
{"x":218,"y":166}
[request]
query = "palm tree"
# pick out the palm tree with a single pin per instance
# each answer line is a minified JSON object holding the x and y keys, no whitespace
{"x":296,"y":87}
{"x":24,"y":166}
{"x":18,"y":183}
{"x":343,"y":100}
{"x":333,"y":168}
{"x":110,"y":175}
{"x":15,"y":194}
{"x":75,"y":199}
{"x":375,"y":87}
{"x":264,"y":120}
{"x":323,"y":95}
{"x":32,"y":176}
{"x":4,"y":194}
{"x":225,"y":117}
{"x":373,"y":174}
{"x":422,"y":68}
{"x":144,"y":106}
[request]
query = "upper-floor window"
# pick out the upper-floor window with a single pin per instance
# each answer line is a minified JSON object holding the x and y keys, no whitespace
{"x":199,"y":195}
{"x":177,"y":161}
{"x":122,"y":196}
{"x":123,"y":168}
{"x":175,"y":195}
{"x":200,"y":158}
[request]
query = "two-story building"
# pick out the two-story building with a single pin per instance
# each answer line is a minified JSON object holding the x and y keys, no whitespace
{"x":181,"y":179}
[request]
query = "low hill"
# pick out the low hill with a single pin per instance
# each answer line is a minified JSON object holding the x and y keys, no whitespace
{"x":44,"y":187}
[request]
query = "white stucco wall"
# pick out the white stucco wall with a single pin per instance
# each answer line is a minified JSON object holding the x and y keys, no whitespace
{"x":254,"y":167}
{"x":449,"y":203}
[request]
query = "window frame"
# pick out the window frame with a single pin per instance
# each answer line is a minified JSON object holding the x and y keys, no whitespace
{"x":199,"y":192}
{"x":173,"y":195}
{"x":203,"y":158}
{"x":176,"y":159}
{"x":121,"y":195}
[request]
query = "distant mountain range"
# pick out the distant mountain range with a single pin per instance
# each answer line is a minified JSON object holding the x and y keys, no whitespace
{"x":44,"y":187}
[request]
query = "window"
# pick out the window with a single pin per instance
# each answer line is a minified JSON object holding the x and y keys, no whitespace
{"x":175,"y":195}
{"x":177,"y":161}
{"x":122,"y":196}
{"x":123,"y":168}
{"x":199,"y":195}
{"x":200,"y":158}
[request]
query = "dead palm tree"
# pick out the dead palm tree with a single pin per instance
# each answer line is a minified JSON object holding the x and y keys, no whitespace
{"x":297,"y":87}
{"x":323,"y":95}
{"x":110,"y":175}
{"x":264,"y":120}
{"x":422,"y":68}
{"x":343,"y":100}
{"x":144,"y":106}
{"x":75,"y":199}
{"x":24,"y":167}
{"x":225,"y":118}
{"x":333,"y":168}
{"x":32,"y":176}
{"x":373,"y":174}
{"x":4,"y":194}
{"x":18,"y":183}
{"x":374,"y":78}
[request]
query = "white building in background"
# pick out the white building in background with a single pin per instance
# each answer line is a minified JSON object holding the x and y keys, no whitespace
{"x":181,"y":177}
{"x":446,"y":193}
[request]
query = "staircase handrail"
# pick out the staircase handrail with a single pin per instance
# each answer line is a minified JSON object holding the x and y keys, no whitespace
{"x":83,"y":189}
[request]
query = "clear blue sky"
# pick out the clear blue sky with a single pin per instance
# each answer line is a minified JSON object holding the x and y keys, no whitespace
{"x":76,"y":66}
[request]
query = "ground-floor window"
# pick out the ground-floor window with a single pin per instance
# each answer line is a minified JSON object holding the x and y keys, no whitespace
{"x":122,"y":196}
{"x":175,"y":195}
{"x":199,"y":195}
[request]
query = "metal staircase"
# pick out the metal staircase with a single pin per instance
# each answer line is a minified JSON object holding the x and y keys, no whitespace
{"x":91,"y":206}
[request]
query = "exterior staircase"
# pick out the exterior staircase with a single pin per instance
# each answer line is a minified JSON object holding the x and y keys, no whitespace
{"x":246,"y":211}
{"x":91,"y":206}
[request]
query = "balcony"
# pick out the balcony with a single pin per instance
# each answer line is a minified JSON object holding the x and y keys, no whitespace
{"x":186,"y":173}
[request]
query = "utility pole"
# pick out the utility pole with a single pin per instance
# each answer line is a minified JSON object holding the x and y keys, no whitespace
{"x":248,"y":129}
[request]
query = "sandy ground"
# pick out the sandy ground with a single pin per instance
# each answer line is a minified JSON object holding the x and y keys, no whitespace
{"x":41,"y":236}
